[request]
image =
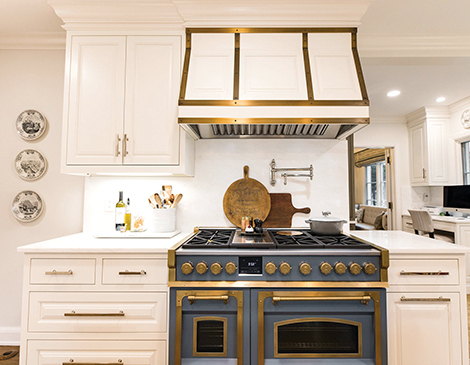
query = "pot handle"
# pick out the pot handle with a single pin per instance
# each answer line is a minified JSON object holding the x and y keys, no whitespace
{"x":326,"y":213}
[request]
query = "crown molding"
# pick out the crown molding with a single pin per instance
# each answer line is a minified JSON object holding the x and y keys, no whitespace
{"x":388,"y":120}
{"x":458,"y":105}
{"x":33,"y":40}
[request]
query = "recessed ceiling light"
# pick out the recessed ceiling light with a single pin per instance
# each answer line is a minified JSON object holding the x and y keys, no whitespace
{"x":393,"y":93}
{"x":441,"y":99}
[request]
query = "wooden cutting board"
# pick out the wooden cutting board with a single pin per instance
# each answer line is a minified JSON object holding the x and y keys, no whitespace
{"x":282,"y":211}
{"x":246,"y":197}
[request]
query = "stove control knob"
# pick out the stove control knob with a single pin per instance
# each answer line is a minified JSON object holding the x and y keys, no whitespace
{"x":284,"y":268}
{"x":340,"y":268}
{"x":270,"y":268}
{"x":305,"y":268}
{"x":201,"y":268}
{"x":216,"y":268}
{"x":230,"y":268}
{"x":325,"y":268}
{"x":369,"y":268}
{"x":187,"y":268}
{"x":355,"y":268}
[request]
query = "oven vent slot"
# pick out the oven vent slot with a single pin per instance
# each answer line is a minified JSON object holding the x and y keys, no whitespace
{"x":269,"y":129}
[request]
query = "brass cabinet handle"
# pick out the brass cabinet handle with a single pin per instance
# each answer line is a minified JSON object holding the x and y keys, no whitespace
{"x":424,"y":273}
{"x":72,"y":362}
{"x":118,"y":139}
{"x":124,"y":145}
{"x":141,"y":272}
{"x":74,"y":314}
{"x":193,"y":298}
{"x":364,"y":299}
{"x":54,"y":272}
{"x":440,"y":299}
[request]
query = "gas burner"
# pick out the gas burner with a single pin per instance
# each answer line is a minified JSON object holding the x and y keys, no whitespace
{"x":308,"y":240}
{"x":210,"y":238}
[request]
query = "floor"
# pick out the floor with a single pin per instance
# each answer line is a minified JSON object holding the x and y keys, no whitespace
{"x":6,"y":357}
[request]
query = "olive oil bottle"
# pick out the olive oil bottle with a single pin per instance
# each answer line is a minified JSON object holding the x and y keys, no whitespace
{"x":120,"y":212}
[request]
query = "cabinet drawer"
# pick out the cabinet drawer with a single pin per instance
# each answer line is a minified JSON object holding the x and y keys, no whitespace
{"x":96,"y":352}
{"x":97,"y":312}
{"x":62,"y":271}
{"x":423,"y":272}
{"x":135,"y":271}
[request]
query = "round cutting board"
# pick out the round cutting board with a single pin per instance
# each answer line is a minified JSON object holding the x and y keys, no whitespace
{"x":246,"y":197}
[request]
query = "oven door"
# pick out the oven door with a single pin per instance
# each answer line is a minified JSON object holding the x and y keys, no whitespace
{"x":209,"y":327}
{"x":294,"y":327}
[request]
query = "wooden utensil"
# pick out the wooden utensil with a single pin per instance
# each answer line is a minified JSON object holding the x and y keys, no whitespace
{"x":246,"y":197}
{"x":158,"y":200}
{"x":178,"y":197}
{"x":152,"y":201}
{"x":282,"y":211}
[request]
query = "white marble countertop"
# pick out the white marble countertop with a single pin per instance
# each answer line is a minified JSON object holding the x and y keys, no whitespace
{"x":400,"y":242}
{"x":86,"y":243}
{"x":443,"y":218}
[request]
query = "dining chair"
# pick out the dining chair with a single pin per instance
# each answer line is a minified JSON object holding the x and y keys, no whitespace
{"x":422,"y":221}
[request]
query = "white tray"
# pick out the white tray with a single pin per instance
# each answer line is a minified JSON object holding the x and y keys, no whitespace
{"x":136,"y":234}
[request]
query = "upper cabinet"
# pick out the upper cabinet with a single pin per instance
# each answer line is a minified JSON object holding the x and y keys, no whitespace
{"x":432,"y":151}
{"x":120,"y":107}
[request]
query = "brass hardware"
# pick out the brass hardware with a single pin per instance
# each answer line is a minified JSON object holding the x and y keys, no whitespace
{"x":325,"y":268}
{"x":284,"y":268}
{"x":340,"y":268}
{"x":236,"y":71}
{"x":424,"y":273}
{"x":308,"y":75}
{"x":278,"y":103}
{"x":317,"y":355}
{"x":440,"y":299}
{"x":195,"y":337}
{"x":270,"y":268}
{"x":54,"y":272}
{"x":230,"y":268}
{"x":369,"y":268}
{"x":118,"y":139}
{"x":274,"y":120}
{"x":201,"y":268}
{"x":187,"y":268}
{"x":193,"y":298}
{"x":74,"y":314}
{"x":355,"y":268}
{"x":364,"y":299}
{"x":127,"y":272}
{"x":184,"y":78}
{"x":357,"y":62}
{"x":216,"y":268}
{"x":270,"y":30}
{"x":124,"y":145}
{"x":72,"y":362}
{"x":305,"y":268}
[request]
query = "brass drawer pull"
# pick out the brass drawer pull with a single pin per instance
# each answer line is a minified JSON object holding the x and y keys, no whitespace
{"x":75,"y":314}
{"x":54,"y":272}
{"x":72,"y":362}
{"x":193,"y":298}
{"x":424,"y":273}
{"x":364,"y":299}
{"x":127,"y":272}
{"x":440,"y":299}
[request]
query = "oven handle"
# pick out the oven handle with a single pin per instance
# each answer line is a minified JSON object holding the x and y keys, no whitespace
{"x":364,"y":299}
{"x":424,"y":273}
{"x":193,"y":298}
{"x":440,"y":299}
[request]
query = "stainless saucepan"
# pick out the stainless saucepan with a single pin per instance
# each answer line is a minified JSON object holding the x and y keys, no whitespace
{"x":326,"y":225}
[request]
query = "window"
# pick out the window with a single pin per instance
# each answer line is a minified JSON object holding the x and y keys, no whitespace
{"x":376,"y":185}
{"x":466,"y":162}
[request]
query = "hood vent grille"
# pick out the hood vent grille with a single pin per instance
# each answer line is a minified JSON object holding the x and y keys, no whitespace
{"x":273,"y":130}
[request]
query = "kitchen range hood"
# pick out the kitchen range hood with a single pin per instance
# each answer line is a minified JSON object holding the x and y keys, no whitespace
{"x":272,"y":83}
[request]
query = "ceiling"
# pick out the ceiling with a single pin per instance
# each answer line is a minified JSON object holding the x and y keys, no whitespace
{"x":420,"y":47}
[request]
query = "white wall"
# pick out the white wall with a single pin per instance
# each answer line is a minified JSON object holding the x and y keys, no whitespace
{"x":31,"y":79}
{"x":218,"y":164}
{"x":391,"y":133}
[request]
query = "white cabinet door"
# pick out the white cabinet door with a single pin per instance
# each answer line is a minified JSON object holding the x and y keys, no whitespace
{"x":152,"y":87}
{"x":96,"y":100}
{"x":463,"y":238}
{"x":438,"y":153}
{"x":423,"y":329}
{"x":418,"y":154}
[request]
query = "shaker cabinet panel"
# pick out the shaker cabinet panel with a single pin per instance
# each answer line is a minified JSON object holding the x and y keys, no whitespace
{"x":418,"y":154}
{"x":62,"y":271}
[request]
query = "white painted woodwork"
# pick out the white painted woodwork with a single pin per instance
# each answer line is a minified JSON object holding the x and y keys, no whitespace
{"x":462,"y":236}
{"x":332,"y":67}
{"x":272,"y":67}
{"x":418,"y":154}
{"x":210,"y":75}
{"x":96,"y":99}
{"x":424,"y":266}
{"x":143,"y":312}
{"x":152,"y":88}
{"x":95,"y":352}
{"x":438,"y":156}
{"x":83,"y":271}
{"x":155,"y":270}
{"x":424,"y":332}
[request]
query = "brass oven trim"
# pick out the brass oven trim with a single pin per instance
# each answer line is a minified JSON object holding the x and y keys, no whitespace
{"x":277,"y":284}
{"x":375,"y":295}
{"x":211,"y":354}
{"x":317,"y":319}
{"x":208,"y":295}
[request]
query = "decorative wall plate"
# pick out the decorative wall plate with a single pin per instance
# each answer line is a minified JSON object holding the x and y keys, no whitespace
{"x":31,"y":124}
{"x":465,"y":119}
{"x":27,"y":206}
{"x":30,"y":164}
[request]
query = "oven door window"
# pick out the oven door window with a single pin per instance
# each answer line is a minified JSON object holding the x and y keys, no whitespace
{"x":210,"y":336}
{"x":317,"y":337}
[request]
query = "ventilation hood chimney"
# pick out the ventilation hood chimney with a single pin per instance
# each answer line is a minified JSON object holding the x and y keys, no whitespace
{"x":272,"y":83}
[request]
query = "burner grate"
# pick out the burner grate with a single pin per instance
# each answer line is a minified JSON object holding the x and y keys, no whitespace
{"x":309,"y":240}
{"x":210,"y":238}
